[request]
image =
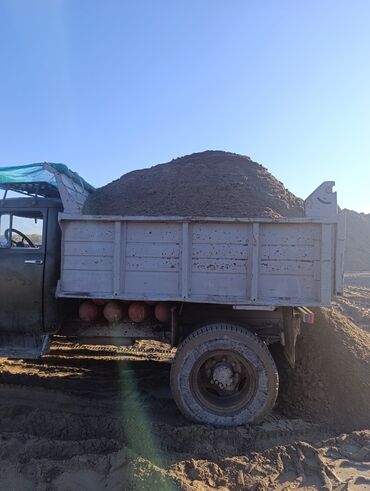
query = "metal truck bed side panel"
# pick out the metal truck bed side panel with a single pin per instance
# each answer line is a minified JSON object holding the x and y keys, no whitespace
{"x":286,"y":262}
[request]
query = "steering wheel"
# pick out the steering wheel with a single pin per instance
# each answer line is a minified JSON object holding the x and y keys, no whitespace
{"x":21,"y":234}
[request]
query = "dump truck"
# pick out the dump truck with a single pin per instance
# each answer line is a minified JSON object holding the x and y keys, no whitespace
{"x":233,"y":286}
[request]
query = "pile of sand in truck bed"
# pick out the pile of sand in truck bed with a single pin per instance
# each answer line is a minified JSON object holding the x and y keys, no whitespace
{"x":211,"y":183}
{"x":217,"y":183}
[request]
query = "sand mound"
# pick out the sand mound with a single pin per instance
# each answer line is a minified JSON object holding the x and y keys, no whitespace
{"x":217,"y":183}
{"x":336,"y":463}
{"x":332,"y":464}
{"x":355,"y":302}
{"x":357,"y":254}
{"x":331,"y":382}
{"x":211,"y":183}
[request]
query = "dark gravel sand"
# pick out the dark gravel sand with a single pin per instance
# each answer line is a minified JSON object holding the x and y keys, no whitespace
{"x":211,"y":183}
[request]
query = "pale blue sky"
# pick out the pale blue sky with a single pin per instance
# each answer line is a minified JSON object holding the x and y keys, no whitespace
{"x":110,"y":86}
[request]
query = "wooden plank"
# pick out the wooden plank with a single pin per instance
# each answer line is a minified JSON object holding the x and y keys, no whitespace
{"x":220,"y":233}
{"x":117,"y":266}
{"x":289,"y":252}
{"x":285,"y":289}
{"x":154,"y":232}
{"x":123,"y":255}
{"x":326,"y":264}
{"x":89,"y":231}
{"x":255,"y":250}
{"x":339,"y":253}
{"x":144,"y":283}
{"x":292,"y":267}
{"x":87,"y":281}
{"x":185,"y":260}
{"x":152,"y":249}
{"x":65,"y":217}
{"x":224,"y":251}
{"x":218,"y":284}
{"x":152,"y":264}
{"x":219,"y":265}
{"x":280,"y":234}
{"x":78,"y":248}
{"x":88,"y":263}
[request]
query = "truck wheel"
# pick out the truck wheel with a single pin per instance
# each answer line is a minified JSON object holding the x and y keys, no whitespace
{"x":224,"y":375}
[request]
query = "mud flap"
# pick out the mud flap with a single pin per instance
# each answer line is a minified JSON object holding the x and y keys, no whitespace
{"x":23,"y":345}
{"x":292,"y":328}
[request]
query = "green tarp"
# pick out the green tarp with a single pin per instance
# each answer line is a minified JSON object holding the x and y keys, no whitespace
{"x":10,"y":177}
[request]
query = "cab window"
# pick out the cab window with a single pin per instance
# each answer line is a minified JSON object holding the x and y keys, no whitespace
{"x":4,"y":226}
{"x":23,"y":229}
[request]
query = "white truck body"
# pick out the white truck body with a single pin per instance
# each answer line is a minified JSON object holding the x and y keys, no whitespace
{"x":251,"y":262}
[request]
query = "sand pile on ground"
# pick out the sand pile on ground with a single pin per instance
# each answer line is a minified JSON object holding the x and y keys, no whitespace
{"x":357,"y":253}
{"x":211,"y":183}
{"x":334,"y":464}
{"x":330,"y":464}
{"x":355,"y":301}
{"x":331,"y":381}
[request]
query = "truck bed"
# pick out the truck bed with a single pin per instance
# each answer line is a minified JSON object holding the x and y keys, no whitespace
{"x":247,"y":262}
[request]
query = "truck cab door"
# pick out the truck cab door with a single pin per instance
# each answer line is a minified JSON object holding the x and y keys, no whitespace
{"x":22,"y":262}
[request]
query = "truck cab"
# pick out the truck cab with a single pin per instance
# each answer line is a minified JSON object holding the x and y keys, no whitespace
{"x":30,"y":256}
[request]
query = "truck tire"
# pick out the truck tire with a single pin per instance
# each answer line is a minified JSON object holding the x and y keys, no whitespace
{"x":224,"y":375}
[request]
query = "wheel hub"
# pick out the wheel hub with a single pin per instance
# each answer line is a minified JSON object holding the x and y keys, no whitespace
{"x":223,"y":381}
{"x":223,"y":375}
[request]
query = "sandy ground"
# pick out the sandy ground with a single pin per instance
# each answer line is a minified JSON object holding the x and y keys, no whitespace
{"x":95,"y":418}
{"x":355,"y":303}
